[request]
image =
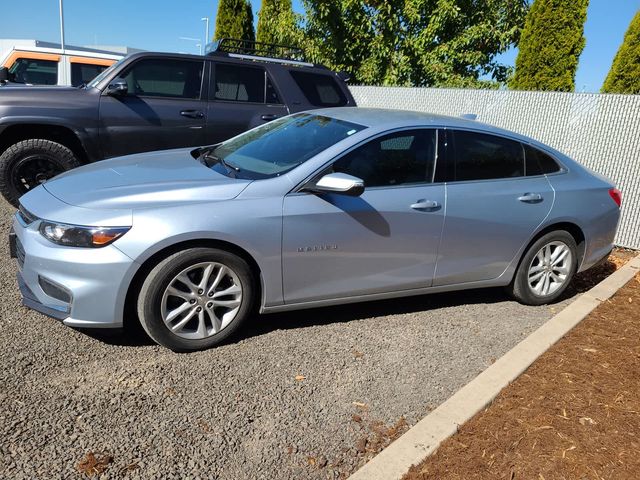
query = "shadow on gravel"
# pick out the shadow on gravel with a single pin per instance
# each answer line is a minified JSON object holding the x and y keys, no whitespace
{"x":134,"y":336}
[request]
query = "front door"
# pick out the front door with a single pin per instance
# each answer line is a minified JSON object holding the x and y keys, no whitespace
{"x":385,"y":240}
{"x":163,"y":108}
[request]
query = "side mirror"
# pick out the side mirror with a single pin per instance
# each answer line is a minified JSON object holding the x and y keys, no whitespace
{"x":4,"y":74}
{"x":118,"y":86}
{"x":339,"y":183}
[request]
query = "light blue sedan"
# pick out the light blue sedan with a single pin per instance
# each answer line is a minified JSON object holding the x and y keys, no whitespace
{"x":322,"y":208}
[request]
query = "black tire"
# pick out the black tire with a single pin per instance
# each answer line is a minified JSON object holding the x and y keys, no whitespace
{"x":150,"y":299}
{"x":520,"y":288}
{"x":28,"y":163}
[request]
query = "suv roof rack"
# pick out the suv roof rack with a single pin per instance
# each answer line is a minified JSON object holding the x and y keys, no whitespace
{"x":252,"y":50}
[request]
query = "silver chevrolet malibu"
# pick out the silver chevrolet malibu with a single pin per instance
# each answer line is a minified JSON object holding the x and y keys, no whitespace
{"x":321,"y":208}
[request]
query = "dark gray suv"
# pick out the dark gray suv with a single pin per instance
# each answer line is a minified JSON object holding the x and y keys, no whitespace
{"x":155,"y":101}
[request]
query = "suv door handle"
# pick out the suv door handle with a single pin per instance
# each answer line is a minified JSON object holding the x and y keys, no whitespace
{"x":426,"y":205}
{"x":268,"y":117}
{"x":192,"y":113}
{"x":531,"y":198}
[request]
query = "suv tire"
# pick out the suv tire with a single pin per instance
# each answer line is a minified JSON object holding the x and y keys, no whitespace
{"x":183,"y":311}
{"x":28,"y":163}
{"x":546,"y":269}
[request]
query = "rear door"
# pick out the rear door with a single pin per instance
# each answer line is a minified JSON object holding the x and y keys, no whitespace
{"x":493,"y":207}
{"x":240,"y":97}
{"x":164,"y":108}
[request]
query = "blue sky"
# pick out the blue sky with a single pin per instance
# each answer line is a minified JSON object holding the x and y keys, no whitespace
{"x":159,"y":24}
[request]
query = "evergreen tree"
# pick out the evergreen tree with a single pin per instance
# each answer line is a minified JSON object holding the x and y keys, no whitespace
{"x":276,"y":22}
{"x":624,"y":76}
{"x":234,"y":20}
{"x":550,"y":46}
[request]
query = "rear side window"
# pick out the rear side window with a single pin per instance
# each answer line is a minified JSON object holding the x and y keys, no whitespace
{"x":538,"y":162}
{"x":320,"y":90}
{"x":37,"y":72}
{"x":479,"y":156}
{"x":235,"y":83}
{"x":165,"y":78}
{"x":84,"y":73}
{"x":401,"y":158}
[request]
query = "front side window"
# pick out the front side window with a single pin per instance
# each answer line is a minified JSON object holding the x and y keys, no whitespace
{"x":236,"y":83}
{"x":165,"y":78}
{"x":83,"y":73}
{"x":34,"y":71}
{"x":400,"y":158}
{"x":320,"y":90}
{"x":278,"y":146}
{"x":478,"y":156}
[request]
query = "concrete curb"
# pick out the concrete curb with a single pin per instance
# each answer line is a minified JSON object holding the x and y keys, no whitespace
{"x":425,"y":437}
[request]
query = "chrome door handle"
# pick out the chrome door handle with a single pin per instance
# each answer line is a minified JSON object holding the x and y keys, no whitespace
{"x":425,"y":205}
{"x":268,"y":117}
{"x":192,"y":113}
{"x":530,"y":198}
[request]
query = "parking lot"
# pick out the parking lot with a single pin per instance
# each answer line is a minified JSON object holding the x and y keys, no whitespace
{"x":298,"y":395}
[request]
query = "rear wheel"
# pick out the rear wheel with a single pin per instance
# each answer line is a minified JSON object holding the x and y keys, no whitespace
{"x":29,"y":163}
{"x":546,"y":269}
{"x":196,"y":298}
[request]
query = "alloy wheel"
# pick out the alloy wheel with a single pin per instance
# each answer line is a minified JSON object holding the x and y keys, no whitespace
{"x":201,"y":300}
{"x":549,"y":269}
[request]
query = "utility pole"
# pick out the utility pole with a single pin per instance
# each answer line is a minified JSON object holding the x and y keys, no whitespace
{"x":61,"y":27}
{"x":206,"y":32}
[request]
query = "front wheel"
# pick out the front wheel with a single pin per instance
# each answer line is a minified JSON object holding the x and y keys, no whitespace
{"x":546,"y":269}
{"x":196,"y":298}
{"x":29,"y":163}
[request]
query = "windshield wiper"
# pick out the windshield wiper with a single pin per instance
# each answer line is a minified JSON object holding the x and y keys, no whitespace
{"x":229,"y":166}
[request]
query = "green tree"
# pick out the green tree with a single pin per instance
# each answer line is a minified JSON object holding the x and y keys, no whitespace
{"x":624,"y":76}
{"x":551,"y":44}
{"x":278,"y":24}
{"x":234,"y":20}
{"x":414,"y":42}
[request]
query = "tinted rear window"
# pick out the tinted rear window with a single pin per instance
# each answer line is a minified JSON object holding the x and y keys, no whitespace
{"x":478,"y":156}
{"x":239,"y":84}
{"x":538,"y":162}
{"x":320,"y":90}
{"x":84,"y":73}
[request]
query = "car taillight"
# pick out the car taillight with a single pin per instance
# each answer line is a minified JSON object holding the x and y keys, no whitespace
{"x":616,"y":195}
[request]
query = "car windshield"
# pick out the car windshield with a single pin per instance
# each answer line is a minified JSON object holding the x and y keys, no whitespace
{"x":94,"y":83}
{"x":279,"y":146}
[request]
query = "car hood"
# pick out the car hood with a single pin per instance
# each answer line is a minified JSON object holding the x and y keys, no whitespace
{"x":145,"y":180}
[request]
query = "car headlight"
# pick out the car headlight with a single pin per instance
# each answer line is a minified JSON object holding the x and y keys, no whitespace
{"x":79,"y":236}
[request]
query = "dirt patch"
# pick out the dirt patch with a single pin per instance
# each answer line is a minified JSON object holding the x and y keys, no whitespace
{"x":94,"y":463}
{"x":574,"y":414}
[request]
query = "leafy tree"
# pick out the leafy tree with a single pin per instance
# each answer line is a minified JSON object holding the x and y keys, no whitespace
{"x":624,"y":76}
{"x":551,"y":44}
{"x":278,"y":24}
{"x":414,"y":42}
{"x":234,"y":20}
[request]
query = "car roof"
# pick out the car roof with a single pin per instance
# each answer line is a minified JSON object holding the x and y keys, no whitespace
{"x":392,"y":118}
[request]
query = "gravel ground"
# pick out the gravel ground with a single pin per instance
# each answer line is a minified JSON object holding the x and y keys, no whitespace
{"x":300,"y":395}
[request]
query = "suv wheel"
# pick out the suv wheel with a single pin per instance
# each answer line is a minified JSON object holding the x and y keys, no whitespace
{"x":29,"y":163}
{"x":546,"y":269}
{"x":196,"y":298}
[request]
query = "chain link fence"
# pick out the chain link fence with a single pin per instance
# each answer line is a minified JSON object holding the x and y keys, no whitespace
{"x":600,"y":131}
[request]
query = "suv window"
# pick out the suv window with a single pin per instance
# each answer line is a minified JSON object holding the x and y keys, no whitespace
{"x":165,"y":78}
{"x":478,"y":156}
{"x":84,"y":72}
{"x":538,"y":162}
{"x":236,"y":83}
{"x":399,"y":158}
{"x":38,"y":72}
{"x":320,"y":90}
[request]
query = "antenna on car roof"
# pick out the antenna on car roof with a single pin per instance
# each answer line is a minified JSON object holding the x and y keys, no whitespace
{"x":469,"y":116}
{"x":257,"y":49}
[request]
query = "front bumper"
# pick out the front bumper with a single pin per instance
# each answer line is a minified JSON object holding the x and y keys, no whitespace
{"x":93,"y":281}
